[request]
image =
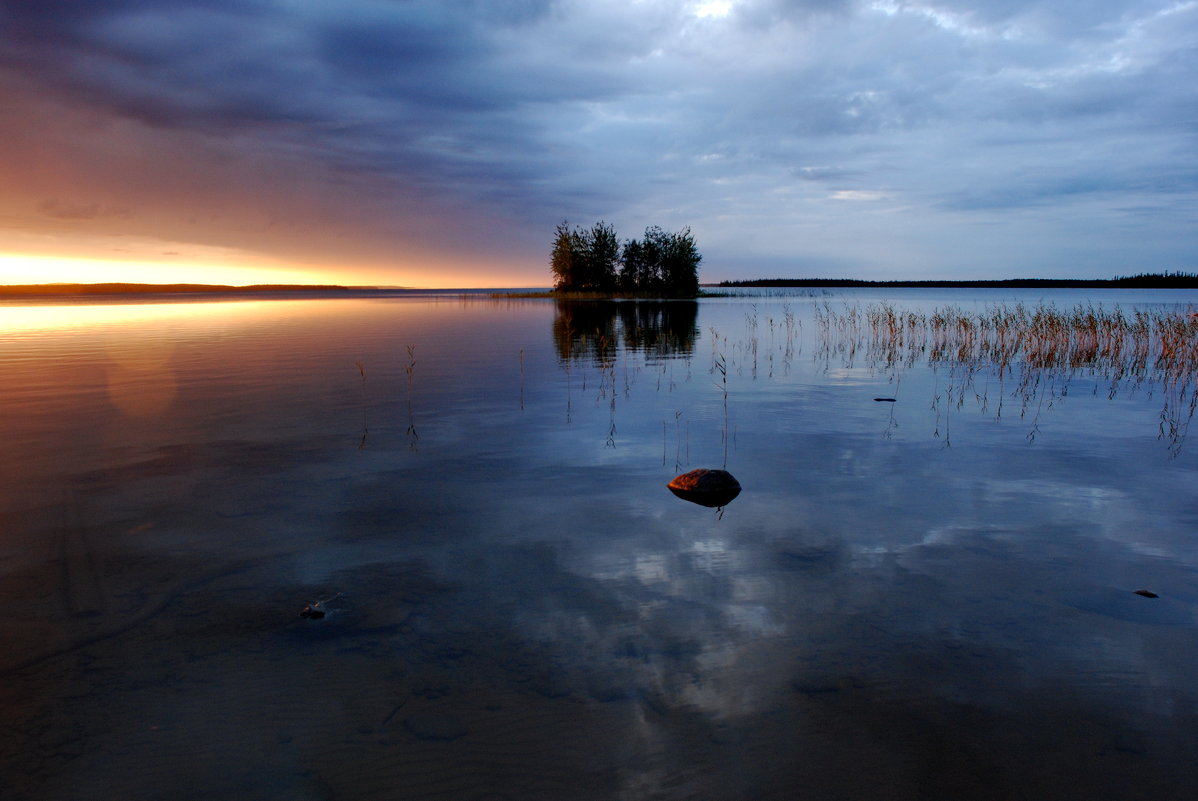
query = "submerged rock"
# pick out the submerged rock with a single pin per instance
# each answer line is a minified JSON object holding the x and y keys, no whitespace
{"x":1147,"y":593}
{"x":705,"y":487}
{"x":1123,"y":604}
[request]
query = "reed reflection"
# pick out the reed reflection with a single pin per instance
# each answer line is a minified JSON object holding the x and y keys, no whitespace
{"x":1032,"y":353}
{"x":592,"y":331}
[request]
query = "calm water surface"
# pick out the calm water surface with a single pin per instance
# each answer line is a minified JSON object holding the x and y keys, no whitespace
{"x":926,"y":598}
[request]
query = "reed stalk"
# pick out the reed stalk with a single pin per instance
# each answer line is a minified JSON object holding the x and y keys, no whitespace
{"x":1042,"y":347}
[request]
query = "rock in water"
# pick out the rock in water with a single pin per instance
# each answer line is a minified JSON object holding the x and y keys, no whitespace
{"x":705,"y":487}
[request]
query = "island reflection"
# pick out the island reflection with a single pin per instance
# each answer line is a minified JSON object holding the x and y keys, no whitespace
{"x":591,"y":330}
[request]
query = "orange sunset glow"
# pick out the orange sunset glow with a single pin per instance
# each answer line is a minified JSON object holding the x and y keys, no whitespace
{"x":17,"y":269}
{"x":423,"y":145}
{"x":652,"y":400}
{"x":233,"y":271}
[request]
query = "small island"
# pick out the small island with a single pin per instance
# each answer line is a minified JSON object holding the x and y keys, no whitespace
{"x":593,"y":263}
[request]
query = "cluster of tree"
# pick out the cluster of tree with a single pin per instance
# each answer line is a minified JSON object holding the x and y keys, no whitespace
{"x":1174,"y":280}
{"x":592,"y":260}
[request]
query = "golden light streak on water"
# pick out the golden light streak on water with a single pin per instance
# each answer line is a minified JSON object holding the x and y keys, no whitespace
{"x":16,"y":319}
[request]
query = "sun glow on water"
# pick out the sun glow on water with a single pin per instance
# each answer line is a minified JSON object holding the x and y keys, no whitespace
{"x":17,"y":319}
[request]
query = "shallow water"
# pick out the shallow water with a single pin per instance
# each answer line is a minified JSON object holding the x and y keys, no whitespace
{"x":929,"y":598}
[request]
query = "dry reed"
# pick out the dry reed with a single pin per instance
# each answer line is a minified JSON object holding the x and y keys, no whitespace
{"x":1041,"y":349}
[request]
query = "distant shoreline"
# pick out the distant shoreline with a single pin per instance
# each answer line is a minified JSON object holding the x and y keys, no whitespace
{"x":1153,"y":281}
{"x":42,"y":290}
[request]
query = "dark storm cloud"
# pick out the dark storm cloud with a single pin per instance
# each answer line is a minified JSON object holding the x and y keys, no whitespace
{"x":749,"y":120}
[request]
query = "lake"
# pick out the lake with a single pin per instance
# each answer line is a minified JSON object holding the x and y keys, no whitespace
{"x":420,"y":545}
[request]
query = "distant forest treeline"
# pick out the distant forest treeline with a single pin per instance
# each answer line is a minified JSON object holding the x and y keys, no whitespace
{"x":1173,"y":280}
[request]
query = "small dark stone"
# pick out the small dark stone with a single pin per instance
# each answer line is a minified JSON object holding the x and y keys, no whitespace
{"x":705,"y":487}
{"x":1147,"y":594}
{"x":309,"y":613}
{"x":886,"y":400}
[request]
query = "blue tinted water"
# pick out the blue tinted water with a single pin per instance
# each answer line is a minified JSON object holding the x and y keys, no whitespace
{"x":929,"y":598}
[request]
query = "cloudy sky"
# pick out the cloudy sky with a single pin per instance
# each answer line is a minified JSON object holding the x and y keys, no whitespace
{"x":438,"y":142}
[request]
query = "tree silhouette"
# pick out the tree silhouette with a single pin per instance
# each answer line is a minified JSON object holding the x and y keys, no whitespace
{"x":663,"y":263}
{"x":566,"y":261}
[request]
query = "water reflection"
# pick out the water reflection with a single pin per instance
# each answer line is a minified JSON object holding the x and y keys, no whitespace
{"x":1032,"y":354}
{"x":592,"y":330}
{"x":525,"y":611}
